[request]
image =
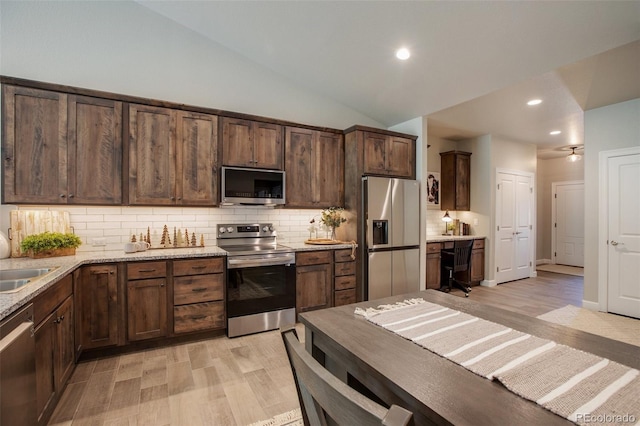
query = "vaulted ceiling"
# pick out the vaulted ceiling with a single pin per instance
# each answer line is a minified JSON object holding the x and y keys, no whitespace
{"x":473,"y":64}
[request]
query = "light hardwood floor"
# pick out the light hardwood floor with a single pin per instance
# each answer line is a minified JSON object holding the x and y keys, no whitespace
{"x":237,"y":381}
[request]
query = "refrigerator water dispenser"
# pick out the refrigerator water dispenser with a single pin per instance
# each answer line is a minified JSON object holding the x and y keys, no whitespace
{"x":380,"y":232}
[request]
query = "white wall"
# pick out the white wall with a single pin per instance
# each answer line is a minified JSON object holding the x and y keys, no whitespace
{"x":125,"y":48}
{"x":122,"y":47}
{"x":607,"y":128}
{"x":550,"y":171}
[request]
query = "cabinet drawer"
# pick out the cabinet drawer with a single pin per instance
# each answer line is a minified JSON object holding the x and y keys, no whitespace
{"x":346,"y":282}
{"x":198,"y":266}
{"x":344,"y":297}
{"x":314,"y":257}
{"x":343,"y":255}
{"x":478,"y":244}
{"x":434,"y":247}
{"x":199,"y":316}
{"x":136,"y":271}
{"x":346,"y":268}
{"x":198,"y":288}
{"x":50,"y":299}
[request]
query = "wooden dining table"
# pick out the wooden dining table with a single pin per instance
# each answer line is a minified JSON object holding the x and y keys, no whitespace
{"x":394,"y":370}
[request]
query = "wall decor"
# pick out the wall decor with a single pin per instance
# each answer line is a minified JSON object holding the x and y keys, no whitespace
{"x":433,"y":188}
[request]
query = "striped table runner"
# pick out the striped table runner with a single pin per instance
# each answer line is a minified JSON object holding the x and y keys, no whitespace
{"x":579,"y":386}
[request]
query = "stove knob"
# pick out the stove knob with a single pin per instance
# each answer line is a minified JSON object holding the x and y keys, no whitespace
{"x":271,"y":228}
{"x":222,"y":230}
{"x":230,"y":229}
{"x":265,"y":229}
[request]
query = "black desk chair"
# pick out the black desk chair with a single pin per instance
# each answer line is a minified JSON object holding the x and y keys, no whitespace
{"x":456,"y":265}
{"x":322,"y":395}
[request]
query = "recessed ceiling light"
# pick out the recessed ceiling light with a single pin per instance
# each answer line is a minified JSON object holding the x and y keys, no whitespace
{"x":533,"y":102}
{"x":555,"y":132}
{"x":403,"y":53}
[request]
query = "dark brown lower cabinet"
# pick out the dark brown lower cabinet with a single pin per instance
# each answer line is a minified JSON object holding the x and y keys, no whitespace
{"x":433,"y":265}
{"x":146,"y":309}
{"x":477,"y":261}
{"x":54,"y":339}
{"x":344,"y":283}
{"x":314,"y":276}
{"x":96,"y":293}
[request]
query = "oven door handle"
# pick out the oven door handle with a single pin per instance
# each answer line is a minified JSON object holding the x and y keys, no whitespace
{"x":250,"y":263}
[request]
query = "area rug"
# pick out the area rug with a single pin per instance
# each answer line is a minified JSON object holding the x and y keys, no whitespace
{"x":613,"y":326}
{"x":290,"y":418}
{"x":561,"y":269}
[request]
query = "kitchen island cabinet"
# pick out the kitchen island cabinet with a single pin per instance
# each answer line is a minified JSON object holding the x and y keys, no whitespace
{"x":254,"y":144}
{"x":172,"y":157}
{"x":314,"y":164}
{"x":61,"y":149}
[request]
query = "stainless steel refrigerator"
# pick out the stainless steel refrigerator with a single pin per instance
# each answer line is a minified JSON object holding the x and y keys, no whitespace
{"x":391,"y":263}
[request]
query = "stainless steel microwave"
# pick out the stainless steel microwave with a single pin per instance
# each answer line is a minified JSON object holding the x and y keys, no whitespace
{"x":252,"y":186}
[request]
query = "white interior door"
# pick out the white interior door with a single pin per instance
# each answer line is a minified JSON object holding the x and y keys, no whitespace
{"x":569,"y":223}
{"x":623,"y":291}
{"x":514,"y":217}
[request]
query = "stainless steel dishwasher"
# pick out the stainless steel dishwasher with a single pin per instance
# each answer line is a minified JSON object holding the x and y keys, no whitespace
{"x":18,"y":369}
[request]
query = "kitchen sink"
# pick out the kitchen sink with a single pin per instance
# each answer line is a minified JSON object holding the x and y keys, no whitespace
{"x":14,"y":279}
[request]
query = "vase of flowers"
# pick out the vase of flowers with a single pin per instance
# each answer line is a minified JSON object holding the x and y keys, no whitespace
{"x":332,"y":219}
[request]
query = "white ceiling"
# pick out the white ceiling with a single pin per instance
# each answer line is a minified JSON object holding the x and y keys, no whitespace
{"x":494,"y":54}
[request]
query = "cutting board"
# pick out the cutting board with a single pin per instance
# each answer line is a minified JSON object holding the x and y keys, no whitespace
{"x":29,"y":222}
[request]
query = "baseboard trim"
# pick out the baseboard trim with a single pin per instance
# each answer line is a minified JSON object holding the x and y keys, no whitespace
{"x":488,"y":283}
{"x":543,"y":261}
{"x":534,"y":274}
{"x":592,"y":306}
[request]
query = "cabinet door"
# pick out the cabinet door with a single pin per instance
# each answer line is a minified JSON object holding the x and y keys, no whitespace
{"x":433,"y":265}
{"x":96,"y":292}
{"x":299,"y":167}
{"x":152,"y":152}
{"x":328,"y":171}
{"x":64,"y":355}
{"x":34,"y":146}
{"x":375,"y":146}
{"x":463,"y":187}
{"x":268,"y":150}
{"x":313,"y":287}
{"x":477,"y":265}
{"x":45,"y":336}
{"x":237,"y":142}
{"x":197,"y":159}
{"x":147,"y":309}
{"x":400,"y":157}
{"x":95,"y":151}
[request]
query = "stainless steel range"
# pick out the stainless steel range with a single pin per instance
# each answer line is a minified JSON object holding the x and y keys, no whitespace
{"x":261,"y":290}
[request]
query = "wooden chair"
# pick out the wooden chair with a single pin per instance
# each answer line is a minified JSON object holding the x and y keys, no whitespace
{"x":456,"y":261}
{"x":325,"y":399}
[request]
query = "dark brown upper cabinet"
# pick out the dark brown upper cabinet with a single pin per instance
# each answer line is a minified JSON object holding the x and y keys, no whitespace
{"x":389,"y":155}
{"x":314,"y":164}
{"x":172,"y":157}
{"x":61,"y":149}
{"x":455,"y":180}
{"x":254,"y":144}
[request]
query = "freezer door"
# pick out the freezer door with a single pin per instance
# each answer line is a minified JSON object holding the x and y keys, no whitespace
{"x":405,"y":216}
{"x":379,"y":272}
{"x":405,"y":267}
{"x":378,"y":206}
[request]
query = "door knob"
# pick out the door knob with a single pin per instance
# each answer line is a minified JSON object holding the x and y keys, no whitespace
{"x":614,"y":243}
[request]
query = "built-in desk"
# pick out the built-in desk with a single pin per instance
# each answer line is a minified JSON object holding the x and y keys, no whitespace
{"x":436,"y":244}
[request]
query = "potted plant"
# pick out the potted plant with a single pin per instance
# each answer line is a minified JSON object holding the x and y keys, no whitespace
{"x":332,"y":219}
{"x":50,"y":244}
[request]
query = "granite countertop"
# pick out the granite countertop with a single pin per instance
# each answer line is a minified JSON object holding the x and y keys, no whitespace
{"x":9,"y":302}
{"x":443,"y":238}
